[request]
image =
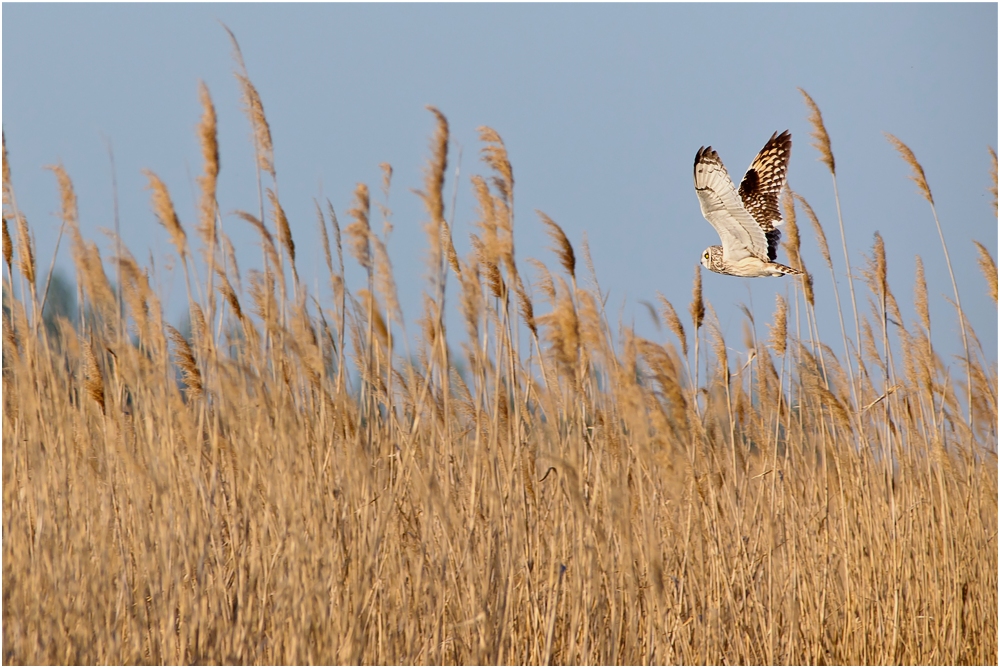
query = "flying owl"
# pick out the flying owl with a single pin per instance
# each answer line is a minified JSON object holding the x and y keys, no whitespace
{"x":746,"y":222}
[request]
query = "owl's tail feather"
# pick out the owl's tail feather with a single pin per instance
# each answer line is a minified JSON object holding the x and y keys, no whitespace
{"x":784,"y":269}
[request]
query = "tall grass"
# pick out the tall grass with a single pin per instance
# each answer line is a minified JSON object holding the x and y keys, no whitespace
{"x":286,"y":485}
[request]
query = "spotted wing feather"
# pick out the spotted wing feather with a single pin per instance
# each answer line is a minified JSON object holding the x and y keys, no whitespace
{"x":761,"y":187}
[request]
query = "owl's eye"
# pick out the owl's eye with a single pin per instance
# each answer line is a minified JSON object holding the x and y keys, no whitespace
{"x":706,"y":256}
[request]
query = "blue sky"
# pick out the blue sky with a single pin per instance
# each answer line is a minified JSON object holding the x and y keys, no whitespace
{"x":602,"y":108}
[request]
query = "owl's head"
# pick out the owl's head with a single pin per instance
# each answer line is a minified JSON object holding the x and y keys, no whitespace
{"x":709,"y":259}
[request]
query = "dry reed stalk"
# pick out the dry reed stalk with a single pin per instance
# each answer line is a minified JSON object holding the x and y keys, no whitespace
{"x":267,"y":242}
{"x":359,"y":232}
{"x":824,"y":249}
{"x":495,"y":155}
{"x":232,"y":266}
{"x":187,"y":363}
{"x":208,"y":138}
{"x":563,"y":330}
{"x":815,"y":385}
{"x":779,"y":331}
{"x":697,"y":307}
{"x":449,"y":247}
{"x":719,"y":348}
{"x":8,"y":249}
{"x":545,"y":282}
{"x":254,"y":109}
{"x":525,"y":307}
{"x":819,"y":133}
{"x":163,"y":207}
{"x":920,"y":296}
{"x":136,"y":291}
{"x":668,"y":313}
{"x":25,"y":251}
{"x":324,"y":237}
{"x":226,"y":288}
{"x":385,"y":284}
{"x":563,"y":249}
{"x":989,"y":268}
{"x":281,"y":223}
{"x":93,"y":379}
{"x":433,"y":198}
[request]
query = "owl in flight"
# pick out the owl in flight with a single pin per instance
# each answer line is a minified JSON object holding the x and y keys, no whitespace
{"x":746,"y":221}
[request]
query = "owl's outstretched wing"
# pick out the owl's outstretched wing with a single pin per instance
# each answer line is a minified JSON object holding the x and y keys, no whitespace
{"x":762,"y":184}
{"x":741,"y":235}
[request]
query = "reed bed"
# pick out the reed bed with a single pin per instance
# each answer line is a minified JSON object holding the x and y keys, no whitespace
{"x":306,"y":480}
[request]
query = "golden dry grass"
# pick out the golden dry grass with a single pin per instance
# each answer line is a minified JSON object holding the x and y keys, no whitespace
{"x":288,"y":487}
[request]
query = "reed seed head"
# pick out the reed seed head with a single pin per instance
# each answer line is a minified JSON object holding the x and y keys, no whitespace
{"x":918,"y":176}
{"x":8,"y":247}
{"x":669,"y":315}
{"x":697,"y":308}
{"x":358,"y":231}
{"x":989,"y":269}
{"x":920,"y":296}
{"x":163,"y":207}
{"x":563,"y":248}
{"x":819,"y":133}
{"x":779,"y":330}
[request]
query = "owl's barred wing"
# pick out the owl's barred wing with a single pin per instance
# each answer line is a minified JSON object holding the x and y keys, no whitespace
{"x":762,"y":184}
{"x":741,"y":235}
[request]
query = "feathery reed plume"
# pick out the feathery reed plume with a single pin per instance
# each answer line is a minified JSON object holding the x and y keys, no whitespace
{"x":358,"y":233}
{"x":254,"y":109}
{"x":93,"y":380}
{"x":779,"y":331}
{"x":563,"y":329}
{"x":525,"y":308}
{"x":25,"y":249}
{"x":816,"y":385}
{"x":697,"y":308}
{"x":186,"y":362}
{"x":163,"y":207}
{"x":495,"y":280}
{"x":918,"y":176}
{"x":792,"y":242}
{"x":67,"y":195}
{"x":545,"y":283}
{"x":719,"y":346}
{"x":819,"y":133}
{"x":385,"y":284}
{"x":495,"y":155}
{"x":668,"y":313}
{"x":232,"y":267}
{"x":563,"y":249}
{"x":284,"y":231}
{"x":881,"y":272}
{"x":208,"y":138}
{"x":433,"y":197}
{"x":8,"y":249}
{"x":435,"y":170}
{"x":226,"y":288}
{"x":993,"y":174}
{"x":793,"y":245}
{"x":386,"y":178}
{"x":920,"y":179}
{"x":449,"y":248}
{"x":267,"y":241}
{"x":135,"y":288}
{"x":920,"y":296}
{"x":324,"y":237}
{"x":824,"y":249}
{"x":989,"y":269}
